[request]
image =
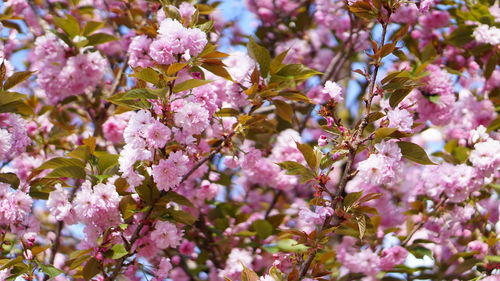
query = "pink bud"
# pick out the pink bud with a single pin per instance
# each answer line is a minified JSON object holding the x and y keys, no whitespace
{"x":329,"y":121}
{"x":322,"y":140}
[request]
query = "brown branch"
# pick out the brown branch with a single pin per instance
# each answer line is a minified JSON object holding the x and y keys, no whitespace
{"x":346,"y":175}
{"x":141,"y":225}
{"x":273,"y":203}
{"x":421,"y":223}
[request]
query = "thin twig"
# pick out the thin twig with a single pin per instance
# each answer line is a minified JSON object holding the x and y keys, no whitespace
{"x":346,"y":175}
{"x":273,"y":203}
{"x":421,"y":223}
{"x":141,"y":225}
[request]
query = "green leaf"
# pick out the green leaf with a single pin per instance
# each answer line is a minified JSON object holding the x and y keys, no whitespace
{"x":148,"y":75}
{"x":12,"y":262}
{"x":59,"y":162}
{"x":414,"y":153}
{"x":79,"y":253}
{"x":374,"y":116}
{"x":190,"y":84}
{"x":290,"y":245}
{"x":16,"y":78}
{"x":294,"y":168}
{"x":69,"y":25}
{"x":105,"y":160}
{"x":218,"y":69}
{"x":130,"y":98}
{"x":9,"y":97}
{"x":382,"y":133}
{"x":398,"y":95}
{"x":92,"y":26}
{"x":276,"y":274}
{"x":284,"y":110}
{"x":10,"y":178}
{"x":309,"y":154}
{"x":75,"y":172}
{"x":462,"y":35}
{"x":352,"y":198}
{"x":147,"y":192}
{"x":91,"y":269}
{"x":100,"y":38}
{"x":298,"y":71}
{"x":248,"y":275}
{"x":82,"y":152}
{"x":277,"y":62}
{"x":361,"y":226}
{"x":50,"y":270}
{"x":179,"y":216}
{"x":118,"y":251}
{"x":420,"y":251}
{"x":263,"y":228}
{"x":260,"y":55}
{"x":227,"y":112}
{"x":206,"y":26}
{"x":173,"y":196}
{"x":3,"y":72}
{"x":434,"y":99}
{"x":495,"y":259}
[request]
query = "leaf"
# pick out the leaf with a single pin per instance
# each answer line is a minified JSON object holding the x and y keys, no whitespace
{"x":352,"y":198}
{"x":82,"y":152}
{"x":79,"y":253}
{"x":147,"y":192}
{"x":434,"y":99}
{"x":276,"y":274}
{"x":381,"y":133}
{"x":294,"y":168}
{"x":462,"y":35}
{"x":173,"y":196}
{"x":495,"y":259}
{"x":10,"y":178}
{"x":90,"y":269}
{"x":227,"y":112}
{"x":100,"y":38}
{"x":180,"y":217}
{"x":118,"y":251}
{"x":75,"y":172}
{"x":92,"y":26}
{"x":16,"y":78}
{"x":263,"y":228}
{"x":218,"y":70}
{"x":290,"y":245}
{"x":190,"y":84}
{"x":12,"y":262}
{"x":3,"y":71}
{"x":59,"y":162}
{"x":414,"y":153}
{"x":284,"y":110}
{"x":361,"y":225}
{"x":175,"y":67}
{"x":105,"y":160}
{"x":50,"y":270}
{"x":148,"y":75}
{"x":309,"y":155}
{"x":277,"y":62}
{"x":398,"y":95}
{"x":260,"y":55}
{"x":298,"y":71}
{"x":69,"y":25}
{"x":248,"y":275}
{"x":374,"y":116}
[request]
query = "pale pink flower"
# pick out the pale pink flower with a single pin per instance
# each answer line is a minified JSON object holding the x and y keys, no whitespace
{"x":166,"y":235}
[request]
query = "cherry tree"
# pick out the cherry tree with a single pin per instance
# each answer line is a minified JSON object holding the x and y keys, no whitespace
{"x":158,"y":140}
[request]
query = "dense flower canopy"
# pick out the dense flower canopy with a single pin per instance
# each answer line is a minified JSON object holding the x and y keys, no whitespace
{"x":157,"y":140}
